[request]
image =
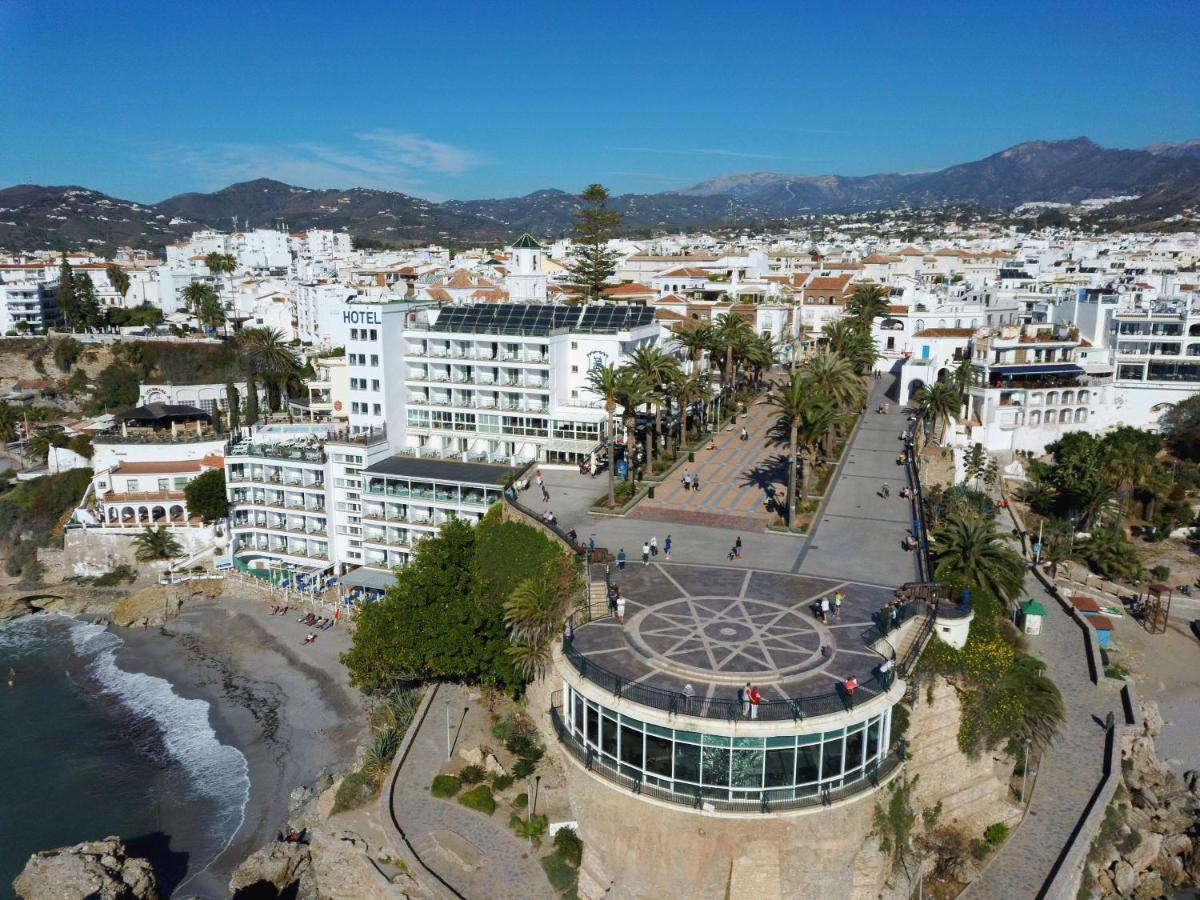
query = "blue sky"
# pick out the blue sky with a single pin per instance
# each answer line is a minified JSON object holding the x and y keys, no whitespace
{"x":465,"y":100}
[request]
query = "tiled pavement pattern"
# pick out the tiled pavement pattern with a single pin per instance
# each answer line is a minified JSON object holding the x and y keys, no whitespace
{"x":718,"y":627}
{"x":1070,"y":770}
{"x":735,"y":478}
{"x":859,"y":534}
{"x":508,"y":868}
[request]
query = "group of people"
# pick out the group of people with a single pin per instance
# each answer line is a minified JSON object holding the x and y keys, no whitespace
{"x":616,"y":603}
{"x":748,"y":700}
{"x":690,"y":482}
{"x":893,"y":613}
{"x":825,"y":606}
{"x":649,"y":551}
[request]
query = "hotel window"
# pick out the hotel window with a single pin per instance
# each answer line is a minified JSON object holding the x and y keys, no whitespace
{"x":374,"y":359}
{"x":378,"y":409}
{"x":131,"y":485}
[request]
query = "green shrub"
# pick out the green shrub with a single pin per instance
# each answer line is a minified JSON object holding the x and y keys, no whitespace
{"x":502,"y":782}
{"x":123,"y":572}
{"x":382,"y":750}
{"x":523,"y":768}
{"x":445,"y":786}
{"x":996,"y":834}
{"x":521,"y":800}
{"x":568,"y":845}
{"x":529,"y":826}
{"x":480,"y":799}
{"x":980,"y":849}
{"x":1160,"y":573}
{"x":519,"y":744}
{"x":355,"y":789}
{"x":533,"y":753}
{"x":900,"y":721}
{"x":504,"y":730}
{"x":559,"y":872}
{"x":472,"y":774}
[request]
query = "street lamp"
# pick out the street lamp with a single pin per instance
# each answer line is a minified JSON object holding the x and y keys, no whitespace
{"x":447,"y":728}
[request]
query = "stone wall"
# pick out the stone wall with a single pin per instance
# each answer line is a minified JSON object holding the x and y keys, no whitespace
{"x":92,"y":551}
{"x":973,"y":793}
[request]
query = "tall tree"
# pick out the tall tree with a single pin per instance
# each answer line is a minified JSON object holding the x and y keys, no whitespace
{"x":605,"y":383}
{"x":85,"y":300}
{"x":969,"y":552}
{"x":655,"y":366}
{"x":831,"y":375}
{"x":731,"y":334}
{"x":632,"y":392}
{"x":695,"y":341}
{"x":196,"y":295}
{"x":592,"y":263}
{"x":156,"y":543}
{"x":267,"y":354}
{"x":936,"y":404}
{"x":806,"y":418}
{"x":233,"y":408}
{"x":67,"y":303}
{"x":206,"y":496}
{"x":118,"y":278}
{"x":251,"y":399}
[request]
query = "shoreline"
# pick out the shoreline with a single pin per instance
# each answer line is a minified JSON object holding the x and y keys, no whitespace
{"x":286,"y":707}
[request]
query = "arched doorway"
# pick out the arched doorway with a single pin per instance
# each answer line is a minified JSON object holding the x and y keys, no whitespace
{"x":913,"y":386}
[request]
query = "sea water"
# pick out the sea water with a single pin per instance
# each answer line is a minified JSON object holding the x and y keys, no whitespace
{"x":91,"y":750}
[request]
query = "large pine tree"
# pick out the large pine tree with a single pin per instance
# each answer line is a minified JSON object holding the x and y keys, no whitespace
{"x":67,"y":303}
{"x":592,"y":263}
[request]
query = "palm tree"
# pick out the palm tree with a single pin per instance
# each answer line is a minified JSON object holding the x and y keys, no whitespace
{"x":9,"y":420}
{"x":838,"y":335}
{"x":155,"y":544}
{"x":832,"y":376}
{"x":655,"y":366}
{"x":963,"y":376}
{"x":936,"y":404}
{"x":118,"y":278}
{"x":760,"y":354}
{"x":866,"y":304}
{"x":695,"y":341}
{"x":632,"y":392}
{"x":688,"y":390}
{"x":806,"y":419}
{"x":730,"y":333}
{"x":267,"y":354}
{"x":211,"y":314}
{"x":1042,"y":712}
{"x":969,"y":551}
{"x":606,"y":382}
{"x":37,"y":447}
{"x":534,"y":614}
{"x":195,"y":295}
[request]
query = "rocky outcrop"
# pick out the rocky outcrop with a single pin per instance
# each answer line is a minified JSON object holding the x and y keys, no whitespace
{"x":278,"y":865}
{"x":1151,"y":842}
{"x":93,"y":869}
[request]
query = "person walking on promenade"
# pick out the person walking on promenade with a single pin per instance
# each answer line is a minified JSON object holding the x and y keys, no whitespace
{"x":737,"y":547}
{"x":686,"y":481}
{"x":621,"y":558}
{"x":696,"y":482}
{"x":824,"y":609}
{"x":654,"y":545}
{"x":613,"y":593}
{"x":667,"y":548}
{"x":755,"y":699}
{"x":838,"y":597}
{"x":745,"y":436}
{"x":645,"y":553}
{"x":545,"y":494}
{"x":620,"y":609}
{"x":744,"y":700}
{"x":886,"y":491}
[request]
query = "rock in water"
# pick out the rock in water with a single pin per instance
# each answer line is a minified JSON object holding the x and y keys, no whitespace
{"x":93,"y":869}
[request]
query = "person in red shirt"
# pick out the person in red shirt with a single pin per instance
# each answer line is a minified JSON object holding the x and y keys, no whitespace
{"x":850,"y":685}
{"x":755,"y":699}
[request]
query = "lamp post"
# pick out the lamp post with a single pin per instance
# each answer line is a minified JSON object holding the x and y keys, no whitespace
{"x":447,"y":728}
{"x":1025,"y":770}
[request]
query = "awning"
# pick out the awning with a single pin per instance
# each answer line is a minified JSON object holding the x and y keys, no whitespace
{"x":369,"y":578}
{"x":1056,"y":369}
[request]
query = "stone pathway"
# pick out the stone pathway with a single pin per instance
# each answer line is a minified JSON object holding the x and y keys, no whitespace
{"x":860,"y":533}
{"x":443,"y":832}
{"x":1071,"y":768}
{"x":735,"y":478}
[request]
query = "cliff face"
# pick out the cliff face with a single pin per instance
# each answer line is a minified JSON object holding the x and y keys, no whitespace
{"x":93,"y":869}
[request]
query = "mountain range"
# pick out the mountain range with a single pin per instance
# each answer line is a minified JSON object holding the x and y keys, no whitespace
{"x":1163,"y":179}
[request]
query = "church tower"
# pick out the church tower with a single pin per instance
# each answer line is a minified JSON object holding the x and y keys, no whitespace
{"x":526,"y":279}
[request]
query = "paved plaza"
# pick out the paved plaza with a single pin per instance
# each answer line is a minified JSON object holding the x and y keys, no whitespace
{"x":718,"y":628}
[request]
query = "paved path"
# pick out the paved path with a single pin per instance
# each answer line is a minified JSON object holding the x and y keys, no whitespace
{"x":508,"y":869}
{"x":1071,"y":768}
{"x":860,"y":533}
{"x":736,"y":477}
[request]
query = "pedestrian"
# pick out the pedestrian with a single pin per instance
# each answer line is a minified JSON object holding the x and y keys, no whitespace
{"x":145,"y":622}
{"x":696,"y":482}
{"x":667,"y":548}
{"x":755,"y":699}
{"x":838,"y":597}
{"x":545,"y":494}
{"x":885,"y":670}
{"x":538,"y":478}
{"x":900,"y":459}
{"x":886,"y":491}
{"x":645,"y":553}
{"x":850,"y":686}
{"x":745,"y":434}
{"x":621,"y":558}
{"x":895,"y":617}
{"x":744,"y":700}
{"x":824,"y":609}
{"x":654,"y":545}
{"x":737,"y":547}
{"x":613,"y":593}
{"x":621,"y":610}
{"x":591,"y":543}
{"x":686,"y":481}
{"x":689,"y":694}
{"x":568,"y":633}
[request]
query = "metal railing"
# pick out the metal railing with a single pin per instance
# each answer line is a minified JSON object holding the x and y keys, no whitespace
{"x":676,"y":702}
{"x":874,"y":775}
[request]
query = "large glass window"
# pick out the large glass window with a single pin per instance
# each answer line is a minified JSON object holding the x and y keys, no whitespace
{"x":780,"y":767}
{"x":687,"y":762}
{"x":593,"y":726}
{"x":854,"y":749}
{"x":658,"y":755}
{"x":631,"y":746}
{"x":832,"y":767}
{"x":746,"y":770}
{"x":808,"y":763}
{"x":608,"y":737}
{"x":716,"y":767}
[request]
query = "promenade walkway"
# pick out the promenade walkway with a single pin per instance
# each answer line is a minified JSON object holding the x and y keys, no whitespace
{"x":860,"y":533}
{"x":736,"y":478}
{"x":498,"y":863}
{"x":1071,"y":767}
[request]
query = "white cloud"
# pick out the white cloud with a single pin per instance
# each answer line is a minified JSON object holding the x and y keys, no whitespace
{"x":388,"y":160}
{"x":704,"y":151}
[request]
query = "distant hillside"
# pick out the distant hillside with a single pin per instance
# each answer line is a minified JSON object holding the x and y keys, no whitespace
{"x":1164,"y":177}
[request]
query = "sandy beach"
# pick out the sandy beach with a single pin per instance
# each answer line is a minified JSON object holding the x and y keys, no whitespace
{"x":286,"y":706}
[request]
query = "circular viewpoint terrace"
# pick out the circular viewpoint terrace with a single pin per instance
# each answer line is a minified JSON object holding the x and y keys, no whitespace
{"x":653,"y":703}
